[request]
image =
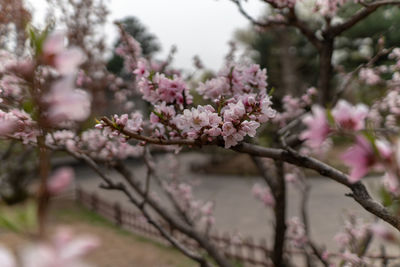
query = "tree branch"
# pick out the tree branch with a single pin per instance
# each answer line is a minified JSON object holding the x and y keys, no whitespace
{"x":151,"y":140}
{"x":359,"y":191}
{"x":254,"y":21}
{"x":360,"y":15}
{"x":187,"y":230}
{"x":121,"y":187}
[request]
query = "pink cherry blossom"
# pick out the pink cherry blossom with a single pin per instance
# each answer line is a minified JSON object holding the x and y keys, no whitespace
{"x":60,"y":180}
{"x":382,"y":231}
{"x":369,"y":76}
{"x":64,"y":250}
{"x":350,"y":117}
{"x":18,"y":124}
{"x":57,"y":55}
{"x":162,"y":89}
{"x":318,"y":127}
{"x":7,"y":258}
{"x":264,"y":195}
{"x":249,"y":128}
{"x":54,"y":44}
{"x":214,"y":88}
{"x":141,"y":70}
{"x":68,"y":60}
{"x":296,"y":232}
{"x":67,"y":103}
{"x":360,"y":158}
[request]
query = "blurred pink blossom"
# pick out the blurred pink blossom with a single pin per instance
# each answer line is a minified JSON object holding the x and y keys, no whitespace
{"x":350,"y":117}
{"x":60,"y":180}
{"x":318,"y":127}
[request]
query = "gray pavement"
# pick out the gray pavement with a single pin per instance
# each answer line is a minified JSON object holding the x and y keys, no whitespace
{"x":238,"y":211}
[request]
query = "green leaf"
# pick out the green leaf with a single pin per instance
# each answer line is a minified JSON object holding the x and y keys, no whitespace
{"x":37,"y":37}
{"x":28,"y":106}
{"x":330,"y":117}
{"x":386,"y":198}
{"x":271,"y":92}
{"x":371,"y":138}
{"x":158,"y":114}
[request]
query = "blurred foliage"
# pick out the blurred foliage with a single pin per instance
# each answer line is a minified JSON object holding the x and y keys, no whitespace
{"x":292,"y":62}
{"x":19,"y":219}
{"x":17,"y":171}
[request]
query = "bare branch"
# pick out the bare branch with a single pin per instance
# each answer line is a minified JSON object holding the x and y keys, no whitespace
{"x":367,"y":10}
{"x":264,"y":172}
{"x":304,"y":29}
{"x":173,"y":200}
{"x":139,"y":204}
{"x":254,"y":21}
{"x":187,"y":230}
{"x":349,"y":76}
{"x":359,"y":191}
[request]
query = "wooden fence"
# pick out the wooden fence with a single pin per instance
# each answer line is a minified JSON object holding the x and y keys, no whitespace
{"x":244,"y":250}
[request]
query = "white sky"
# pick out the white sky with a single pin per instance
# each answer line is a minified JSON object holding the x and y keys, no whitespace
{"x":197,"y":27}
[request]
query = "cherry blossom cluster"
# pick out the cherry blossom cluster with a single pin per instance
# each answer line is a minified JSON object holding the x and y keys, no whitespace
{"x":48,"y":81}
{"x":263,"y":194}
{"x":370,"y":149}
{"x":329,"y":8}
{"x":355,"y":235}
{"x":101,"y":145}
{"x":344,"y":117}
{"x":386,"y":111}
{"x":240,"y":104}
{"x":365,"y":154}
{"x":158,"y":88}
{"x":296,"y":232}
{"x":18,"y":124}
{"x":234,"y":79}
{"x":130,"y":50}
{"x":292,"y":107}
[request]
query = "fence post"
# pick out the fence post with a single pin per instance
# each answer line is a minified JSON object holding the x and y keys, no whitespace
{"x":227,"y":240}
{"x":78,"y":194}
{"x":251,"y":255}
{"x":265,"y":250}
{"x":94,"y":202}
{"x":118,"y":214}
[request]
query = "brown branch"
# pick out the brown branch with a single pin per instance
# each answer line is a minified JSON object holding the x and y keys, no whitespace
{"x":169,"y":195}
{"x":360,"y":15}
{"x":254,"y":21}
{"x":264,"y":172}
{"x":304,"y":29}
{"x":148,"y":139}
{"x":293,"y":20}
{"x":187,"y":230}
{"x":349,"y":76}
{"x":43,"y":194}
{"x":359,"y":191}
{"x":280,"y":215}
{"x":121,"y":187}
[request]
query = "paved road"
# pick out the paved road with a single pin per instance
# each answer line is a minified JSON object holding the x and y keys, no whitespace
{"x":238,"y":210}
